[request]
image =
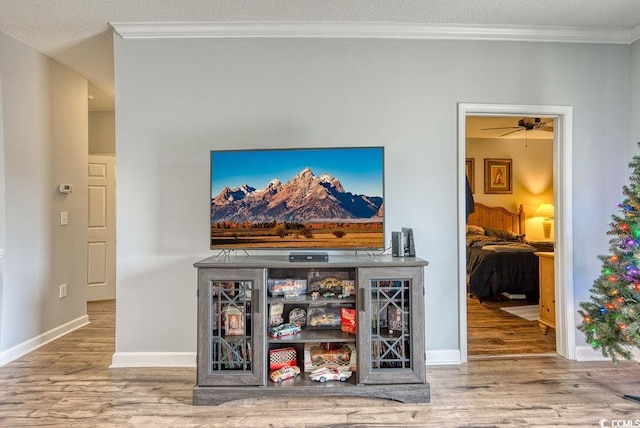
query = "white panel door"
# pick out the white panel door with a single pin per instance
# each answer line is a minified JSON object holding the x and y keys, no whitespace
{"x":101,"y":245}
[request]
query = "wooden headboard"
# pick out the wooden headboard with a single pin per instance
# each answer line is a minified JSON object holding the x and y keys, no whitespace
{"x":498,"y":218}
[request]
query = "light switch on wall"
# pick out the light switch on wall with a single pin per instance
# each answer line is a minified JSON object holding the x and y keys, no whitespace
{"x":64,"y":218}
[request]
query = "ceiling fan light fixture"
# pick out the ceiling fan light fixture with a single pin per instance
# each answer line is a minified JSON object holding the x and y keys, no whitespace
{"x":524,"y":124}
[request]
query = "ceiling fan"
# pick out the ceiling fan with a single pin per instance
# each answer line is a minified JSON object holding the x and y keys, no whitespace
{"x":524,"y":125}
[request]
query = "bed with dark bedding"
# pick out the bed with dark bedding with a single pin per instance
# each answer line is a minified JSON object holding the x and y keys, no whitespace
{"x":499,"y":260}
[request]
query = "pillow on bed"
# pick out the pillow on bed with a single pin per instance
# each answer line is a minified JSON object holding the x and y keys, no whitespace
{"x":501,"y":234}
{"x":481,"y":240}
{"x":474,"y":230}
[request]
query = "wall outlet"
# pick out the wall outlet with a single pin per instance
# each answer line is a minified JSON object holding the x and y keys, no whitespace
{"x":63,"y":291}
{"x":64,"y":218}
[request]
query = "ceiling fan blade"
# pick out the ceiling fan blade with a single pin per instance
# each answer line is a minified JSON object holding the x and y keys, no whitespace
{"x":504,"y":127}
{"x":511,"y":132}
{"x":546,"y":128}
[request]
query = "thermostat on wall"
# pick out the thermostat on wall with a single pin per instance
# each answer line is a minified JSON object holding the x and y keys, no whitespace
{"x":65,"y":188}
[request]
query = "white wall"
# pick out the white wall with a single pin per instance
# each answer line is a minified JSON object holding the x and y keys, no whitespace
{"x":178,"y":99}
{"x":44,"y":108}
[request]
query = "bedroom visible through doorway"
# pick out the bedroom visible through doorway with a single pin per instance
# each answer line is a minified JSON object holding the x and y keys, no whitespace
{"x":509,"y":165}
{"x":516,"y":157}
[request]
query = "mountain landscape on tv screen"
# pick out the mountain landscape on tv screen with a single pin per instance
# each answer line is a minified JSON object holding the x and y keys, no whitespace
{"x":304,"y":199}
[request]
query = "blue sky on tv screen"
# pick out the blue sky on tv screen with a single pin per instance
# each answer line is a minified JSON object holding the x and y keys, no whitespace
{"x":360,"y":170}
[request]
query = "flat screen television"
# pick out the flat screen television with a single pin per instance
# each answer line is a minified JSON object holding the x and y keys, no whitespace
{"x":316,"y":198}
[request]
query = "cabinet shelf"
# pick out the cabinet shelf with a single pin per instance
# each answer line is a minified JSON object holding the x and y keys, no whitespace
{"x":308,"y":336}
{"x":304,"y":380}
{"x":307,"y":300}
{"x":387,"y":295}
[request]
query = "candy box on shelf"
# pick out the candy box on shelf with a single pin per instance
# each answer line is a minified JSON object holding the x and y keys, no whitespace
{"x":328,"y":282}
{"x":287,"y":287}
{"x":282,"y":357}
{"x":348,"y":317}
{"x":319,"y":355}
{"x":324,"y":317}
{"x":275,"y":314}
{"x":349,"y":287}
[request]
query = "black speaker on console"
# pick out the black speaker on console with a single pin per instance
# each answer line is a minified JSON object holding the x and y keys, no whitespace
{"x":402,"y":244}
{"x":397,"y":246}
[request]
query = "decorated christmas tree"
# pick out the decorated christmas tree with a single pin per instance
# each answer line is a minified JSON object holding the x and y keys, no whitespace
{"x":611,"y":318}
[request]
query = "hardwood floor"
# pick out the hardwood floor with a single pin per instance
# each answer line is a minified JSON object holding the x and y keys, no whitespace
{"x":492,"y":332}
{"x":68,"y":383}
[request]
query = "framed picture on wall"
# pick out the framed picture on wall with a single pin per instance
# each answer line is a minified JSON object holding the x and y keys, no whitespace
{"x":497,"y":176}
{"x":470,"y":170}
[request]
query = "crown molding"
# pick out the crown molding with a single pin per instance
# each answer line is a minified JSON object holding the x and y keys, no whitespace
{"x":371,"y":30}
{"x":634,"y":34}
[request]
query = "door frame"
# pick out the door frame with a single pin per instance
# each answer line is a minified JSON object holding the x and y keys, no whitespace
{"x":563,"y":220}
{"x":2,"y":214}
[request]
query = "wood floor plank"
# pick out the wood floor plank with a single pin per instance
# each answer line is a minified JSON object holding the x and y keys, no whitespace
{"x":68,"y":383}
{"x":492,"y":332}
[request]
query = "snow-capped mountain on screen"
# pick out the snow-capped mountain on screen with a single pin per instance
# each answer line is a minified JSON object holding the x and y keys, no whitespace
{"x":304,"y":198}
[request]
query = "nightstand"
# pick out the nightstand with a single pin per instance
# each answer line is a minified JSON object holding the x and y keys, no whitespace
{"x":547,"y":292}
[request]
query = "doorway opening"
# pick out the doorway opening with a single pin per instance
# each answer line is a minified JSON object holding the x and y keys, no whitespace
{"x":101,"y":233}
{"x":562,"y":117}
{"x":509,"y":164}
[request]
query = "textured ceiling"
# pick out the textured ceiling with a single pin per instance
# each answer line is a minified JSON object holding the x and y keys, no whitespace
{"x":77,"y":33}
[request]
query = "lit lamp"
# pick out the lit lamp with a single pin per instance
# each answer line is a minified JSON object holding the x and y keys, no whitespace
{"x":546,"y":211}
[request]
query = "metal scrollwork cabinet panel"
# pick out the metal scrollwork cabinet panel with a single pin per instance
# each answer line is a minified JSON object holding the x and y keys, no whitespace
{"x":230,"y":327}
{"x":391,"y":325}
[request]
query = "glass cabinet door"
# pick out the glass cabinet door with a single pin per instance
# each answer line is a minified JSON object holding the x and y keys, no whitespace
{"x":230,"y":337}
{"x":391,"y":326}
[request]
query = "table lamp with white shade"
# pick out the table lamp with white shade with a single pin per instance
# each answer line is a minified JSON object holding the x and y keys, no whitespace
{"x":546,"y":211}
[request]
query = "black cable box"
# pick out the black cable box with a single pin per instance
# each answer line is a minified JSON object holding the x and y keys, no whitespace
{"x":300,"y":256}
